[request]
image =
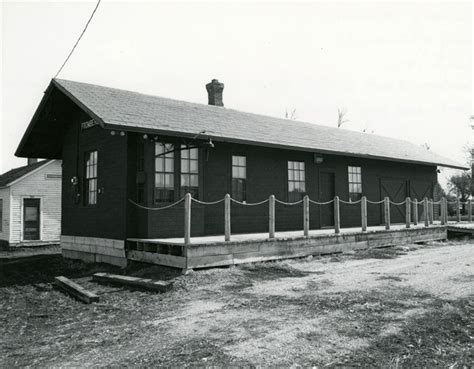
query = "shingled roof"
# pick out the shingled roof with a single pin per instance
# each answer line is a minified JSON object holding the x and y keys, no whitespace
{"x":126,"y":110}
{"x":16,"y":173}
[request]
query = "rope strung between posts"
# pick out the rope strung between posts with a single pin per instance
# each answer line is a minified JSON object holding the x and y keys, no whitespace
{"x":375,"y":202}
{"x":320,"y":203}
{"x":350,"y":202}
{"x":288,"y":203}
{"x":419,"y":203}
{"x":398,"y":203}
{"x":207,"y":203}
{"x":160,"y":208}
{"x":249,"y":204}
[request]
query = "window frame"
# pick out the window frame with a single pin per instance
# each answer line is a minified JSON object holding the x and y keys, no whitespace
{"x":354,"y":182}
{"x":91,"y":177}
{"x":240,"y":165}
{"x":140,"y":186}
{"x":294,"y":170}
{"x":186,"y":161}
{"x":167,"y":146}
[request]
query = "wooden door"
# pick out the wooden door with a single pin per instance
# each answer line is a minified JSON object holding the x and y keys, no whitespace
{"x":327,"y":193}
{"x":396,"y":190}
{"x":31,"y":219}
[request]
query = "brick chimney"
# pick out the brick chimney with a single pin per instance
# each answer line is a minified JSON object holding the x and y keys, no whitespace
{"x":214,"y":92}
{"x":32,"y":161}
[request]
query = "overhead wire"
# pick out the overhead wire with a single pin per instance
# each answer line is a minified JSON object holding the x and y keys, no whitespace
{"x":77,"y":42}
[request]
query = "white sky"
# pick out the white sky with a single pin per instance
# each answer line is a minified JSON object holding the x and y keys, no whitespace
{"x":401,"y":69}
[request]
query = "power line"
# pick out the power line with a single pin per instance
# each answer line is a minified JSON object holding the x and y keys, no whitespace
{"x":82,"y":33}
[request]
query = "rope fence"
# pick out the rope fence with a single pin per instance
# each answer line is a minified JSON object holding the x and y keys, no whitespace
{"x":411,"y":212}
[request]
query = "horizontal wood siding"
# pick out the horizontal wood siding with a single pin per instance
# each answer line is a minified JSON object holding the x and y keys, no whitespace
{"x":5,"y":196}
{"x":266,"y":175}
{"x":37,"y":185}
{"x":106,"y":219}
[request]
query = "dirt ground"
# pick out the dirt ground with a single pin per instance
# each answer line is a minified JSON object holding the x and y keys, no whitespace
{"x":408,"y":306}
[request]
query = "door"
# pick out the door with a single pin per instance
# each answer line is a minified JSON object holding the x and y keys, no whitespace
{"x":419,"y":190}
{"x":396,"y":190}
{"x":326,"y":193}
{"x":31,"y":219}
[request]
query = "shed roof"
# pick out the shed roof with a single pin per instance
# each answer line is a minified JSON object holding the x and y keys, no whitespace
{"x":127,"y":110}
{"x":17,"y":173}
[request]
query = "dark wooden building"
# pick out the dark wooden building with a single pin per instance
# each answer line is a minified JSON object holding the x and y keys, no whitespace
{"x":118,"y":146}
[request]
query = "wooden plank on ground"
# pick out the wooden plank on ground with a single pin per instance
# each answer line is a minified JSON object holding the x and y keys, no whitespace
{"x":75,"y":290}
{"x":149,"y":284}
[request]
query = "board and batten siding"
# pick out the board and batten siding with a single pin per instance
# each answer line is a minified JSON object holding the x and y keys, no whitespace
{"x":5,"y":203}
{"x":45,"y":184}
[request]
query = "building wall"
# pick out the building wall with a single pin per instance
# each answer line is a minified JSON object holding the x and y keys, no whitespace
{"x":5,"y":232}
{"x":106,"y":219}
{"x":266,"y":175}
{"x":48,"y":190}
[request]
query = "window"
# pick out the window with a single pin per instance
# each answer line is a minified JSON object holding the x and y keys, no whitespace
{"x":296,"y":181}
{"x":355,"y":183}
{"x":189,"y":171}
{"x":91,"y":178}
{"x":1,"y":215}
{"x":164,"y":172}
{"x":239,"y":178}
{"x":140,"y":173}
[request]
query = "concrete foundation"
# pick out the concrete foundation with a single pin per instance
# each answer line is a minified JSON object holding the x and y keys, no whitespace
{"x":94,"y":250}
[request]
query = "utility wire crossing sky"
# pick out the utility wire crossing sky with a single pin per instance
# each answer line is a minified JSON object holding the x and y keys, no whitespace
{"x":402,"y":70}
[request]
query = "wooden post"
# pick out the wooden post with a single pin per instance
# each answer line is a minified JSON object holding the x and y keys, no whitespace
{"x":306,"y":215}
{"x":187,"y":219}
{"x":271,"y":216}
{"x":469,"y":210}
{"x":458,"y":210}
{"x":363,"y":211}
{"x":337,"y":218}
{"x":227,"y":217}
{"x":443,"y":210}
{"x":387,"y":212}
{"x":431,"y":207}
{"x":407,"y":212}
{"x":425,"y":210}
{"x":415,"y":211}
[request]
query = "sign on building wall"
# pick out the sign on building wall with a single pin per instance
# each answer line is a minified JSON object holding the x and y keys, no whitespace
{"x":88,"y":124}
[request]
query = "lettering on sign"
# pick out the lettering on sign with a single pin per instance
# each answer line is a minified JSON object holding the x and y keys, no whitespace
{"x":89,"y":124}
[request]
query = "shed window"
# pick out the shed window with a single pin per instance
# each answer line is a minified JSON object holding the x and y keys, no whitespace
{"x":164,"y":172}
{"x":91,"y":178}
{"x":355,"y":183}
{"x":296,"y":180}
{"x":189,"y":171}
{"x":239,"y":178}
{"x":1,"y":215}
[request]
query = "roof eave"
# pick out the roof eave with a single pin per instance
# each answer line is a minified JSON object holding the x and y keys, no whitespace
{"x":274,"y":145}
{"x":78,"y":102}
{"x":32,"y":123}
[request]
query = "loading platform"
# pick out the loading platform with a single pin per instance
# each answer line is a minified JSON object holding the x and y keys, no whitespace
{"x":213,"y":251}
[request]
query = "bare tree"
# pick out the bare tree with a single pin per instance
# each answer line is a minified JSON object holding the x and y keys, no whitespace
{"x":341,"y":113}
{"x":290,"y":114}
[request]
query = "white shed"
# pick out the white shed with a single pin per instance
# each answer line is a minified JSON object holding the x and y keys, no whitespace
{"x":30,"y":204}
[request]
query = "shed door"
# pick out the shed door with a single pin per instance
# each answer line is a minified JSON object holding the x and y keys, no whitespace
{"x":396,"y":190}
{"x":31,"y":219}
{"x":327,"y":193}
